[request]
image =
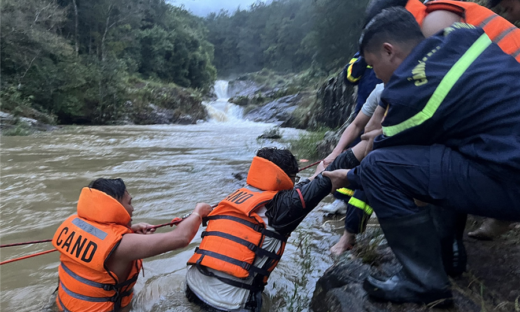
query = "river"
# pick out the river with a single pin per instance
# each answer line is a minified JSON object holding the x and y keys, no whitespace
{"x":167,"y":170}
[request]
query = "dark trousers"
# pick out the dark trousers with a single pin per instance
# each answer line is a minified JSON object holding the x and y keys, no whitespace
{"x":392,"y":177}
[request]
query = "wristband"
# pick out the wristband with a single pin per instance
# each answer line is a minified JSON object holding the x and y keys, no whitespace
{"x":197,"y":214}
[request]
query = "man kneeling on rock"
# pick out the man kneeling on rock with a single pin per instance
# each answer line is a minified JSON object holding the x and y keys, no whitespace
{"x":451,"y":138}
{"x":247,"y":232}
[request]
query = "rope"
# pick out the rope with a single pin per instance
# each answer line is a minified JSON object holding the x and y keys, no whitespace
{"x":26,"y":243}
{"x":173,"y":222}
{"x":311,"y":165}
{"x":28,"y":256}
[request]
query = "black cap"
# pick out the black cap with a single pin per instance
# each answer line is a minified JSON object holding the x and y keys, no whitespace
{"x":493,"y":3}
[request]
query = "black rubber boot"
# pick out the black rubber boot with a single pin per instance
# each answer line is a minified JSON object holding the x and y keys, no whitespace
{"x":415,"y":243}
{"x":450,"y":227}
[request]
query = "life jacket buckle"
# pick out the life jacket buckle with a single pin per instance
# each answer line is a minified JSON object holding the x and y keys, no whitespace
{"x":246,"y":266}
{"x":252,"y":247}
{"x":108,"y":287}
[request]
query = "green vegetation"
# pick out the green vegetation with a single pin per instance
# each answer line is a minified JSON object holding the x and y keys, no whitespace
{"x":286,"y":36}
{"x":76,"y":62}
{"x":71,"y":59}
{"x":305,"y":145}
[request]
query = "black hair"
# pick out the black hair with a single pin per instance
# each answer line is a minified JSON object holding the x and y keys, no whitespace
{"x":395,"y":25}
{"x":283,"y":158}
{"x":377,"y":6}
{"x":113,"y":187}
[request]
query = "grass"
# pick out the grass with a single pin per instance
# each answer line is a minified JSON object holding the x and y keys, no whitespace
{"x":19,"y":128}
{"x":305,"y":145}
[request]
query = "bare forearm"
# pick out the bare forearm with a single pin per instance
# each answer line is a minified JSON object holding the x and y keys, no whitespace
{"x":375,"y":122}
{"x":348,"y":136}
{"x":136,"y":246}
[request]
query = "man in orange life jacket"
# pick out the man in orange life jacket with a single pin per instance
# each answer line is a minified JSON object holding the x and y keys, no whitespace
{"x":101,"y":251}
{"x":247,"y":232}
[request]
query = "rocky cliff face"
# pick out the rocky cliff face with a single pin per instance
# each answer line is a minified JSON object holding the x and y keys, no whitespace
{"x":334,"y":103}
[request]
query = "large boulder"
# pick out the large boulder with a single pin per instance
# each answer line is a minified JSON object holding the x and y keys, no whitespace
{"x":278,"y":111}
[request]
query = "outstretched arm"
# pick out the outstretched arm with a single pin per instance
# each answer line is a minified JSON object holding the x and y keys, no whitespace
{"x":136,"y":246}
{"x":289,"y":208}
{"x":347,"y":137}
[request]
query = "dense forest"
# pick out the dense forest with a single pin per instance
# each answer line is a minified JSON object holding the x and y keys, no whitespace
{"x":75,"y":59}
{"x":286,"y":35}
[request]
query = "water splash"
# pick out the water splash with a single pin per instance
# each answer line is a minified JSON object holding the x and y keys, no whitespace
{"x":222,"y":110}
{"x":221,"y":89}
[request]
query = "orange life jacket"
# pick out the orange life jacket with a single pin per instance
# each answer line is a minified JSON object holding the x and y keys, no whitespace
{"x":85,"y":241}
{"x":499,"y":30}
{"x":235,"y":233}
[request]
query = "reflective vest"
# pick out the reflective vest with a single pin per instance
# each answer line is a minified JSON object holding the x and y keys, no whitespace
{"x":85,"y":241}
{"x":499,"y":30}
{"x":235,"y":232}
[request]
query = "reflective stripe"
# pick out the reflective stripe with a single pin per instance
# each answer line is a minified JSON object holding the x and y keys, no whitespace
{"x":257,"y":250}
{"x":361,"y":205}
{"x":89,"y":228}
{"x":256,"y":227}
{"x":516,"y":53}
{"x":444,"y":87}
{"x":84,"y":280}
{"x":349,"y":71}
{"x":62,"y":305}
{"x":503,"y":34}
{"x":345,"y":191}
{"x":85,"y":298}
{"x":244,"y":265}
{"x":487,"y":20}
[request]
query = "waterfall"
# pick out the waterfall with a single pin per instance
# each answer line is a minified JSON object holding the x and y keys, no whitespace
{"x":221,"y":110}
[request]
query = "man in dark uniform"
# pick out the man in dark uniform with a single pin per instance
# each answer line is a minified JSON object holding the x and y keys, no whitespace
{"x":451,"y":138}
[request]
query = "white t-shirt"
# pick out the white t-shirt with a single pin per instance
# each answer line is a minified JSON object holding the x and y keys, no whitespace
{"x":224,"y":296}
{"x":373,"y":100}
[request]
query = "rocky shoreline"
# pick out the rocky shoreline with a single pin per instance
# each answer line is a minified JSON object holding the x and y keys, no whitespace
{"x":491,"y":282}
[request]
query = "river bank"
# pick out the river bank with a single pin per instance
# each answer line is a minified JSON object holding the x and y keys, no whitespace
{"x":491,"y":282}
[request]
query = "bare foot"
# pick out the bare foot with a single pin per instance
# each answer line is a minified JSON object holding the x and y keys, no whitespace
{"x":346,"y":242}
{"x":490,"y":229}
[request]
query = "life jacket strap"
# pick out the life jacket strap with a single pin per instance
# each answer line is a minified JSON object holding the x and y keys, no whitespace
{"x":257,"y":227}
{"x":106,"y":287}
{"x":88,"y":298}
{"x":202,"y":269}
{"x":254,"y":248}
{"x":83,"y":280}
{"x":244,"y":265}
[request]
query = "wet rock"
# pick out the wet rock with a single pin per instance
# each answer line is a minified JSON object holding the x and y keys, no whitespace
{"x":240,"y":175}
{"x":335,"y":106}
{"x":243,"y":88}
{"x":273,"y":133}
{"x":335,"y":103}
{"x":155,"y":115}
{"x":278,"y":111}
{"x":25,"y":125}
{"x":491,"y":282}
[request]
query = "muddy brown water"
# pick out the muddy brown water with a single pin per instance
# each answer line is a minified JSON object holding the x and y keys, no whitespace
{"x":167,"y":169}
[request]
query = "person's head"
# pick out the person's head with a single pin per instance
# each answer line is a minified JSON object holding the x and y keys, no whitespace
{"x":283,"y":158}
{"x":388,"y":39}
{"x":115,"y":188}
{"x":377,"y":6}
{"x":510,"y":8}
